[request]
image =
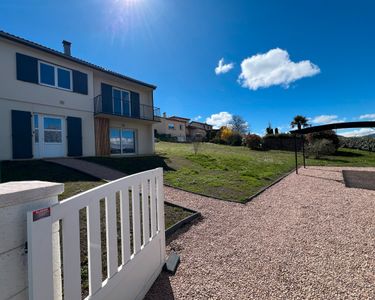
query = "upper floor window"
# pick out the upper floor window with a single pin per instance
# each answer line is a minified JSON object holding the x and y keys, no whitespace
{"x":181,"y":127}
{"x":171,"y":126}
{"x":55,"y":76}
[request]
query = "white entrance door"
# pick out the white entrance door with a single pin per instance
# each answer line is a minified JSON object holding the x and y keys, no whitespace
{"x":49,"y":132}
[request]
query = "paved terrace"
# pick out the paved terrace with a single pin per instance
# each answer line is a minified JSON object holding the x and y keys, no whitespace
{"x":307,"y":237}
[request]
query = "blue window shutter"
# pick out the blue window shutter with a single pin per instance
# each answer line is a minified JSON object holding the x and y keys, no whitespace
{"x":80,"y":82}
{"x":21,"y":134}
{"x":27,"y":68}
{"x":107,"y":104}
{"x":135,"y":105}
{"x":74,"y":130}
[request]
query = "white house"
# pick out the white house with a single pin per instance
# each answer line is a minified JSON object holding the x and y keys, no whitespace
{"x":53,"y":105}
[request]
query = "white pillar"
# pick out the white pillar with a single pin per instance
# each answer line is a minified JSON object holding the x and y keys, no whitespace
{"x":16,"y":199}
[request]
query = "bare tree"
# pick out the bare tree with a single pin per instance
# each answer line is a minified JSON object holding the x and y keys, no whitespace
{"x":197,"y":141}
{"x":239,"y":124}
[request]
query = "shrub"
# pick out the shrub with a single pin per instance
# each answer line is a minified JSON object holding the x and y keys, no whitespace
{"x":282,"y":141}
{"x":225,"y":133}
{"x":217,"y":140}
{"x":235,"y":139}
{"x":166,"y":137}
{"x":329,"y":135}
{"x":361,"y":143}
{"x":320,"y":147}
{"x":253,"y":141}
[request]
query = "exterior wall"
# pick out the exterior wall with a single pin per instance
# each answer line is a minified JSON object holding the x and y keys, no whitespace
{"x":20,"y":95}
{"x":145,"y":93}
{"x":162,"y":128}
{"x":88,"y":138}
{"x":35,"y":98}
{"x":13,"y":89}
{"x":143,"y":131}
{"x":197,"y":131}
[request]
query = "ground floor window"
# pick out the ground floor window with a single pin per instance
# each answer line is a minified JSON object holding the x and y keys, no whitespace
{"x":122,"y":141}
{"x":52,"y":130}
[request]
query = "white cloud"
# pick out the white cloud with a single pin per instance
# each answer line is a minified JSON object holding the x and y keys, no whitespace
{"x":358,"y":132}
{"x":221,"y":119}
{"x":368,"y":117}
{"x":326,"y":119}
{"x":223,"y":68}
{"x":273,"y":68}
{"x":197,"y":118}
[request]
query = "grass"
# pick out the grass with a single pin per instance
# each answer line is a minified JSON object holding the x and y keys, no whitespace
{"x":225,"y":172}
{"x":346,"y":157}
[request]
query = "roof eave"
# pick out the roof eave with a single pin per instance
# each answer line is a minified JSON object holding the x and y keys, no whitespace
{"x":31,"y":44}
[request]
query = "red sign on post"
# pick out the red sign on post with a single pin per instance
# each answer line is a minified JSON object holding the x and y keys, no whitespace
{"x":41,"y":213}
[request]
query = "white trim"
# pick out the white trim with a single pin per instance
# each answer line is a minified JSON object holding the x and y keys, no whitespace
{"x":56,"y":77}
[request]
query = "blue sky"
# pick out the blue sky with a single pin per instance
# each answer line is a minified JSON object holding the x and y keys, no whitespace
{"x":315,"y":58}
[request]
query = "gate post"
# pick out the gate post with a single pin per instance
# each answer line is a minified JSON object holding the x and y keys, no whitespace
{"x":16,"y":199}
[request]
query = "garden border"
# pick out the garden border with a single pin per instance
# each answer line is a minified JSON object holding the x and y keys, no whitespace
{"x":180,"y":224}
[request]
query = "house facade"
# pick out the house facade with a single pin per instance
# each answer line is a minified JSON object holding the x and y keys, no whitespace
{"x":54,"y":105}
{"x":196,"y":128}
{"x":173,"y":126}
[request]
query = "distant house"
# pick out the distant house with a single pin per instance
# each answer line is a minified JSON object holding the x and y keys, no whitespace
{"x":53,"y":104}
{"x":195,"y":128}
{"x":173,"y":126}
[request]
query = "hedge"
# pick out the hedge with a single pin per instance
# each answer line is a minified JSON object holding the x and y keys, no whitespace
{"x":361,"y":143}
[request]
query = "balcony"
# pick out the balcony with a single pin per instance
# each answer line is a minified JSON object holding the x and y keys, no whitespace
{"x":126,"y":108}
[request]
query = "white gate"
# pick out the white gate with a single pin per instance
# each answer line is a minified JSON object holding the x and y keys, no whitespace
{"x":135,"y":204}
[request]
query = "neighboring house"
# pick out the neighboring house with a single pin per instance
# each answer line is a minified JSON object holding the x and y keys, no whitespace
{"x":197,"y":129}
{"x":53,"y":104}
{"x":173,"y":126}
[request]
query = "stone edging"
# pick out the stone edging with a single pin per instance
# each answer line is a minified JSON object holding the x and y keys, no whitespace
{"x":169,"y":231}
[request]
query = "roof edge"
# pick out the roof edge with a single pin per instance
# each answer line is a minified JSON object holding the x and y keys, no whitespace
{"x":37,"y":46}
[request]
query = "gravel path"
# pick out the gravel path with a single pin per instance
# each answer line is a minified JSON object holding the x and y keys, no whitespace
{"x":307,"y":237}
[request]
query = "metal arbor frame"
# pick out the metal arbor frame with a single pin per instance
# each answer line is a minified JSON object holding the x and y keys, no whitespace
{"x":343,"y":125}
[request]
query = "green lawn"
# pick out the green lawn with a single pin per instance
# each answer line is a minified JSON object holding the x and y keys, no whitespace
{"x":346,"y":157}
{"x":225,"y":172}
{"x":230,"y":173}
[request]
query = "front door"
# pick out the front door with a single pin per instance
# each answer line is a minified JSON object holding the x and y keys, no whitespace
{"x":49,"y":132}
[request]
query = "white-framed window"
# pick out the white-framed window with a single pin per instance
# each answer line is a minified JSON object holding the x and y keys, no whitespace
{"x":52,"y":130}
{"x":55,"y":76}
{"x":171,"y":125}
{"x":121,"y":102}
{"x":122,"y":141}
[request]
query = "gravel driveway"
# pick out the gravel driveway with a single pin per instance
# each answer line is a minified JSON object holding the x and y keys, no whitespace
{"x":307,"y":237}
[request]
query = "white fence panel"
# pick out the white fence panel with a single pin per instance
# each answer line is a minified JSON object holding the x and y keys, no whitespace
{"x":142,"y":257}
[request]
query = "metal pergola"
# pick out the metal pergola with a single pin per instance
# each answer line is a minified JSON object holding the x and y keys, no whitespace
{"x":332,"y":126}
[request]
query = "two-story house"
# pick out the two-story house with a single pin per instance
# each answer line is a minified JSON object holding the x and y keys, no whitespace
{"x":53,"y":104}
{"x":195,"y":128}
{"x":173,"y":126}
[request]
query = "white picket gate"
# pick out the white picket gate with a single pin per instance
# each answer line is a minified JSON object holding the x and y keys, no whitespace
{"x":141,"y":202}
